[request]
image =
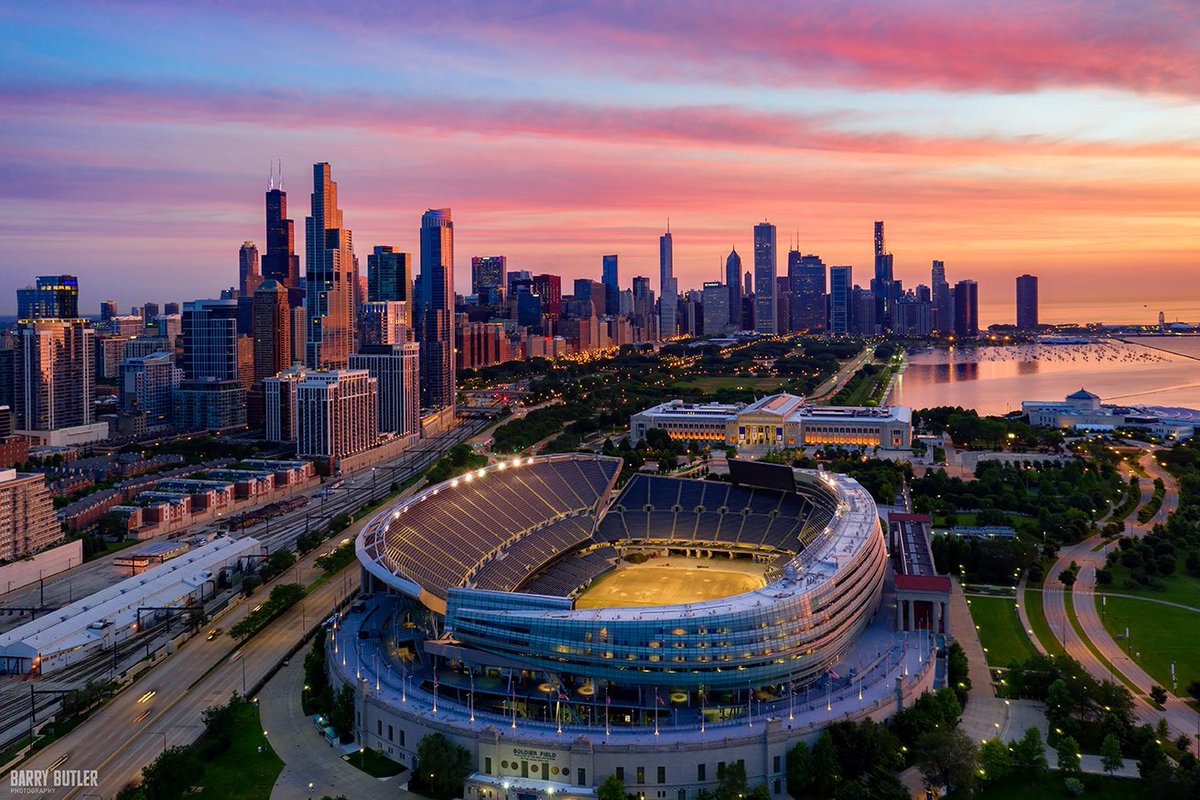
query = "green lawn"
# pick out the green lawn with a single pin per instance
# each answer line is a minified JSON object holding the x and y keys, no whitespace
{"x":1077,"y":627}
{"x":375,"y":763}
{"x":1051,"y":787}
{"x":1037,"y":618}
{"x":711,"y":383}
{"x":1177,"y":588}
{"x":242,"y":772}
{"x":1000,"y":630}
{"x":1161,"y":634}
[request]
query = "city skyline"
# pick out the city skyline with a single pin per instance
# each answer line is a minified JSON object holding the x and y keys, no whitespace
{"x":1032,"y":151}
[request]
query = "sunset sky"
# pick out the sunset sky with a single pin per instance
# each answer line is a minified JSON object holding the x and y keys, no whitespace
{"x":1059,"y":138}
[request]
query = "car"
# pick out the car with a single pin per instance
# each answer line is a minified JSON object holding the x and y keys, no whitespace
{"x":256,"y":608}
{"x":214,"y":633}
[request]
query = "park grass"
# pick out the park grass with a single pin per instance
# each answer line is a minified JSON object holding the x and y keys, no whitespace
{"x":1179,"y":587}
{"x":1000,"y":630}
{"x":242,"y":772}
{"x":1037,"y":618}
{"x":711,"y":383}
{"x":374,"y":763}
{"x":1160,"y":634}
{"x":1052,"y":787}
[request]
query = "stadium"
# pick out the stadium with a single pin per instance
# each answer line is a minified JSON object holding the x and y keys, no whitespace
{"x":563,"y":630}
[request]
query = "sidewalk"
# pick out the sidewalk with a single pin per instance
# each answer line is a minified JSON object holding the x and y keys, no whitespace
{"x":306,"y":755}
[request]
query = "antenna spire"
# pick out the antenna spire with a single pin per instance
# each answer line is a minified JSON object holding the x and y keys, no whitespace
{"x":270,"y":175}
{"x":281,"y":174}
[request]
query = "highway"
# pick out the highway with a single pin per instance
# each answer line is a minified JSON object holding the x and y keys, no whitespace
{"x":835,"y":382}
{"x":175,"y":712}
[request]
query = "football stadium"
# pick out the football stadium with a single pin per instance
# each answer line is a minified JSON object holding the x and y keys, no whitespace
{"x":563,"y":630}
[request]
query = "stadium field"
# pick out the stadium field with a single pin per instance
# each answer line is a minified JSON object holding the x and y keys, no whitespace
{"x":670,"y":582}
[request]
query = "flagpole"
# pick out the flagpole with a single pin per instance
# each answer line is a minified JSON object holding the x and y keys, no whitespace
{"x":657,"y":700}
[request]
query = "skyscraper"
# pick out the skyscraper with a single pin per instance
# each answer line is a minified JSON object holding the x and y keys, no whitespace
{"x":841,"y":284}
{"x":335,"y":413}
{"x":806,"y":274}
{"x":435,"y":305}
{"x":389,"y":276}
{"x":330,"y":277}
{"x":733,"y":281}
{"x":52,"y":297}
{"x":943,"y":309}
{"x":248,"y":275}
{"x":668,"y":294}
{"x":488,"y":273}
{"x":966,"y":308}
{"x":108,"y":310}
{"x":643,"y":308}
{"x":611,"y":281}
{"x":272,"y":329}
{"x":147,"y":385}
{"x":210,"y":340}
{"x":53,"y":379}
{"x":882,"y":285}
{"x":280,"y":261}
{"x":1027,"y":302}
{"x":384,"y":322}
{"x":715,"y":302}
{"x":396,"y":369}
{"x":766,"y":293}
{"x":549,"y":288}
{"x":28,"y":523}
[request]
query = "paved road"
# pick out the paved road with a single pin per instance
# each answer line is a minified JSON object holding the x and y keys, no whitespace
{"x":1179,"y":716}
{"x":836,"y":381}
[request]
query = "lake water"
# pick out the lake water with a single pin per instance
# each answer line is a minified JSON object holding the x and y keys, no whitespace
{"x":1150,"y":370}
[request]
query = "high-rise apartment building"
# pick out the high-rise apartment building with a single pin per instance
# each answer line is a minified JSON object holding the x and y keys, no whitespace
{"x":272,"y":329}
{"x":396,"y":370}
{"x":210,"y":346}
{"x":841,"y":289}
{"x":384,"y":322}
{"x":806,"y":275}
{"x":147,"y":386}
{"x":389,"y":277}
{"x":943,"y":309}
{"x":1027,"y":302}
{"x":51,"y":297}
{"x":331,"y":277}
{"x":488,"y":273}
{"x":766,"y":293}
{"x":966,"y":308}
{"x":248,"y":275}
{"x":280,"y":260}
{"x":279,"y":404}
{"x":733,"y":282}
{"x":644,"y":318}
{"x":335,"y":413}
{"x":668,"y":291}
{"x":53,"y":378}
{"x":612,"y":282}
{"x":435,"y":307}
{"x":108,"y":310}
{"x":27,"y":520}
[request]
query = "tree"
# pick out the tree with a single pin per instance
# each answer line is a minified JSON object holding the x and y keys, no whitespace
{"x":341,"y":716}
{"x":441,"y":767}
{"x":169,"y":776}
{"x":732,"y":785}
{"x":1067,"y":750}
{"x":958,"y":672}
{"x":948,"y":758}
{"x":995,"y":760}
{"x":1029,"y":755}
{"x":1158,"y":694}
{"x":613,"y":788}
{"x":1193,"y":689}
{"x":826,"y":771}
{"x":1067,"y":576}
{"x":1059,"y":703}
{"x":1110,"y":754}
{"x":799,"y":771}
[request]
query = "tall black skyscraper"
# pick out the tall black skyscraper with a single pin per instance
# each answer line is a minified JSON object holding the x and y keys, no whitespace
{"x":806,"y":278}
{"x":883,"y":282}
{"x":331,"y":277}
{"x":766,"y":292}
{"x":280,"y":260}
{"x":966,"y":308}
{"x":611,"y":280}
{"x":389,"y":274}
{"x":841,"y":295}
{"x":1027,"y":302}
{"x":435,"y":307}
{"x":943,"y":308}
{"x":733,"y":280}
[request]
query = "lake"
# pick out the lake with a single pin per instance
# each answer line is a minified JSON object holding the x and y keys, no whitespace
{"x":1149,"y":370}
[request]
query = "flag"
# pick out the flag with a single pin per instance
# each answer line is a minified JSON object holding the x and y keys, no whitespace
{"x":562,"y":695}
{"x":658,"y":698}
